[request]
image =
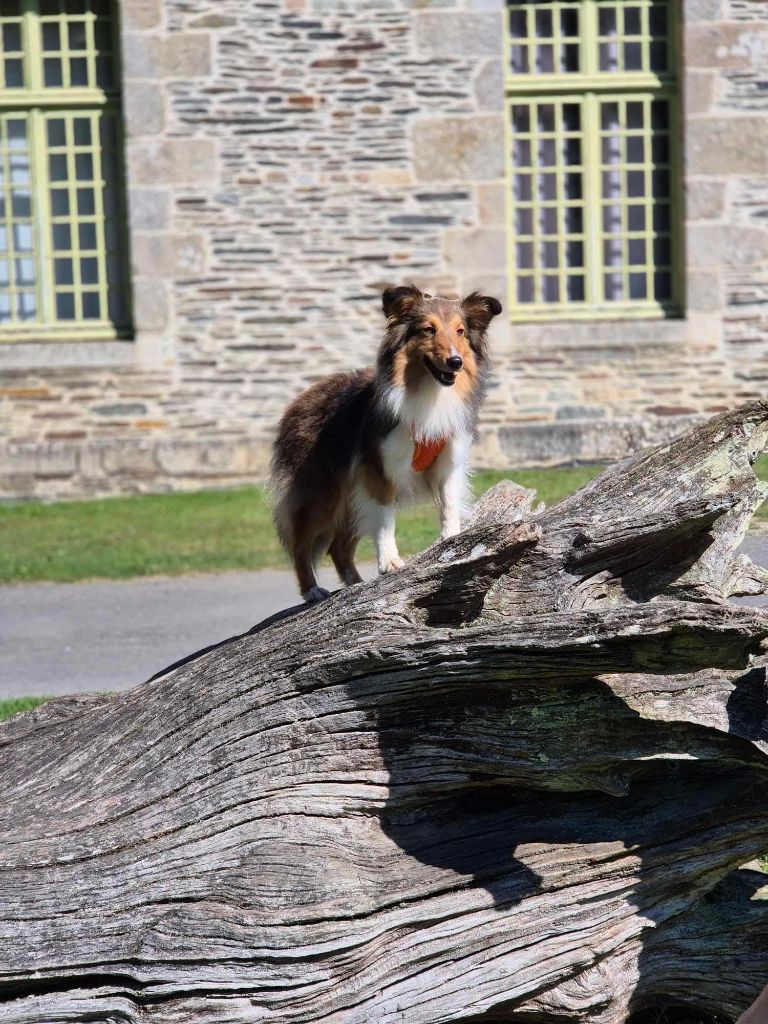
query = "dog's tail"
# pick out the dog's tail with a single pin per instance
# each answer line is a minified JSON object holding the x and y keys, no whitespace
{"x":277,"y":491}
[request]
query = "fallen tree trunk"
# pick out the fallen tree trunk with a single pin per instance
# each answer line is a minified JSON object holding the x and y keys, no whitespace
{"x":515,"y":781}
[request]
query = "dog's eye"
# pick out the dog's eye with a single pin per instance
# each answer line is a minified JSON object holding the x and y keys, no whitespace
{"x":429,"y":329}
{"x":460,"y":331}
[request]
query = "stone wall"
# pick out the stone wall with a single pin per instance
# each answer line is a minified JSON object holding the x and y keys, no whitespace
{"x":288,"y":158}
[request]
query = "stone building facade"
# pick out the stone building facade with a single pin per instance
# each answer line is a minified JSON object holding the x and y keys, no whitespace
{"x":286,"y":159}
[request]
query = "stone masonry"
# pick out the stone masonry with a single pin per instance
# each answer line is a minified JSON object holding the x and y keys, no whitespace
{"x":286,"y":159}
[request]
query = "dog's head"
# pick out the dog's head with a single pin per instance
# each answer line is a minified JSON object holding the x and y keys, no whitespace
{"x":432,"y":335}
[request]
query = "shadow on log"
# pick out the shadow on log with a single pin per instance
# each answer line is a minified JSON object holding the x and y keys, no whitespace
{"x":517,"y":781}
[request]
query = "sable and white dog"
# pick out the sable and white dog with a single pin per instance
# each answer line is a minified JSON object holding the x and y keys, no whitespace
{"x":355,"y":445}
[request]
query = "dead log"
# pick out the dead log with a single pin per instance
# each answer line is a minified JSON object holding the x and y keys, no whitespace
{"x":517,"y":781}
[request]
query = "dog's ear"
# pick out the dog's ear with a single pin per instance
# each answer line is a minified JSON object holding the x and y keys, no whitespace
{"x":399,"y":302}
{"x":480,"y":310}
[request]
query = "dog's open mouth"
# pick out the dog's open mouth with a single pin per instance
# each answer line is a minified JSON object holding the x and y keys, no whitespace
{"x":444,"y":377}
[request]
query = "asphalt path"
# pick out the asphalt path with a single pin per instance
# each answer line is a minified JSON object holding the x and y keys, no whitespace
{"x":58,"y":638}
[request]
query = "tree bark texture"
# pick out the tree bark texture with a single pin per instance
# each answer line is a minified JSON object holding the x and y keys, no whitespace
{"x":516,"y":781}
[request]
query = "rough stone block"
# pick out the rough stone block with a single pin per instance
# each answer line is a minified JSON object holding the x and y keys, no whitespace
{"x":491,"y":204}
{"x":703,"y":10}
{"x":150,"y":304}
{"x":699,"y":89}
{"x":727,"y":45}
{"x":38,"y":460}
{"x":141,"y":14}
{"x":134,"y":460}
{"x":144,"y":107}
{"x":456,"y":148}
{"x":213,"y":20}
{"x":704,"y":291}
{"x":705,"y":199}
{"x":149,"y":209}
{"x":173,"y":161}
{"x":732,"y":245}
{"x":726,"y":145}
{"x":189,"y":253}
{"x":141,"y":55}
{"x":471,"y":252}
{"x":152,"y":256}
{"x":488,"y":283}
{"x":458,"y":34}
{"x":489,"y":85}
{"x":186,"y":55}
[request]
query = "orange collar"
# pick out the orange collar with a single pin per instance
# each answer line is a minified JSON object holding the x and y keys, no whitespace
{"x":425,"y":453}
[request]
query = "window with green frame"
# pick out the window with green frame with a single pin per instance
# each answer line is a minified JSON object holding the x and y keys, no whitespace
{"x":593,"y":160}
{"x":63,"y":246}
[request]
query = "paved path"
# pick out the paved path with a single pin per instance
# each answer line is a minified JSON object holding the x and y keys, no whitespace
{"x":62,"y":638}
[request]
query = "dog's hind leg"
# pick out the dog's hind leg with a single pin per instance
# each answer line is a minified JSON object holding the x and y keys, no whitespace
{"x":342,"y":551}
{"x":305,"y":548}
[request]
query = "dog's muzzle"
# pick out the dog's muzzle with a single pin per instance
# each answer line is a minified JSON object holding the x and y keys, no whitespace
{"x":444,"y":377}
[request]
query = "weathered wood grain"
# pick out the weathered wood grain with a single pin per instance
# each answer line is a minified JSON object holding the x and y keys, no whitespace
{"x":518,"y":779}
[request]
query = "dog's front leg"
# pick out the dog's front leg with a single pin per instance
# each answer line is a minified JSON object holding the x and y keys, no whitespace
{"x":453,"y":499}
{"x":387,"y":555}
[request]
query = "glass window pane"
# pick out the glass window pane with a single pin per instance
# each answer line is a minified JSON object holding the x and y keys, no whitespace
{"x":77,"y":35}
{"x":26,"y":306}
{"x":78,"y":71}
{"x":569,"y":22}
{"x":82,"y":131}
{"x":638,"y":286}
{"x":21,"y":204}
{"x":14,"y":73}
{"x":543,"y":22}
{"x":52,"y":72}
{"x":633,"y":57}
{"x":62,"y":237}
{"x":91,"y":306}
{"x":51,"y":36}
{"x":632,"y":23}
{"x":89,"y":270}
{"x":86,"y":202}
{"x":57,"y":167}
{"x":518,"y":23}
{"x":59,"y":202}
{"x":57,"y":134}
{"x":87,"y":235}
{"x":63,"y":271}
{"x":65,"y":306}
{"x":84,"y":167}
{"x":22,"y":237}
{"x":11,"y":37}
{"x":525,"y":289}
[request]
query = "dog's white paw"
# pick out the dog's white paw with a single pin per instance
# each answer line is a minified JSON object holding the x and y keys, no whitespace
{"x":391,"y":565}
{"x":315,"y":594}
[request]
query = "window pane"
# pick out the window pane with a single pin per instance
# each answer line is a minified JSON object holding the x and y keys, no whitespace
{"x":14,"y":73}
{"x":65,"y":306}
{"x":51,"y":36}
{"x":52,"y":72}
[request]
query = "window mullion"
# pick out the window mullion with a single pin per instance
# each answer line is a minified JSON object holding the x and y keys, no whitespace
{"x":42,"y":215}
{"x":592,"y":195}
{"x":32,"y":45}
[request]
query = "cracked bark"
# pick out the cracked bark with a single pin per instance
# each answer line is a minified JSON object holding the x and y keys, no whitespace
{"x":516,"y":781}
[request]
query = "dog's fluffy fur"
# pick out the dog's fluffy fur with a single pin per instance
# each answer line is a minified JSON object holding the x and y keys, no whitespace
{"x":342,"y":459}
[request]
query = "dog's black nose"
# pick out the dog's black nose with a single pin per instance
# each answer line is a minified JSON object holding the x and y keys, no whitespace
{"x":454,"y":363}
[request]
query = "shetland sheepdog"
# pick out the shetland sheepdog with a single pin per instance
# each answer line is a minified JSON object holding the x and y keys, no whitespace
{"x":355,"y":445}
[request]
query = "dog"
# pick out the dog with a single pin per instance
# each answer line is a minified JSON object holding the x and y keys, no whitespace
{"x":355,"y":445}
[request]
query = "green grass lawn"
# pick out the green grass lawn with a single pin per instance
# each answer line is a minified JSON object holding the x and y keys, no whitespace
{"x":211,"y":531}
{"x":17,"y":704}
